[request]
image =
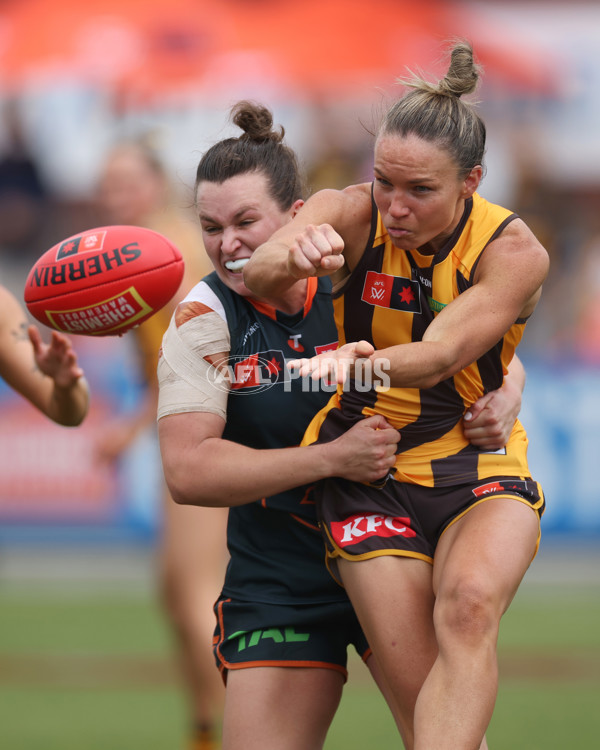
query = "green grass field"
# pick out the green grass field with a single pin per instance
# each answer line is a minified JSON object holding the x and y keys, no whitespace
{"x":92,"y":670}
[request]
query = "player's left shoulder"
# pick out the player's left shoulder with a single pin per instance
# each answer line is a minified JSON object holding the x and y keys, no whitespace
{"x":514,"y":259}
{"x":518,"y":242}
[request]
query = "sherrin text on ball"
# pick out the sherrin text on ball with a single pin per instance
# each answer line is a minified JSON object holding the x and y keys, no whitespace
{"x":103,"y":281}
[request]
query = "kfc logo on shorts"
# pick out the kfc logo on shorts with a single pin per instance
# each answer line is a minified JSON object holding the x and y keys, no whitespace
{"x":359,"y":527}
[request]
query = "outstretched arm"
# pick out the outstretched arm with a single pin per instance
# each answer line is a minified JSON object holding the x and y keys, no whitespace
{"x":507,"y":287}
{"x":309,"y":245}
{"x":47,"y":375}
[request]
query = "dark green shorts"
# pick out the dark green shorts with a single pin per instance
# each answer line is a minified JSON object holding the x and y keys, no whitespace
{"x":279,"y":635}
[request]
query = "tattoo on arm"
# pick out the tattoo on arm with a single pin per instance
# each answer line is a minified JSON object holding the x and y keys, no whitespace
{"x":21,"y":333}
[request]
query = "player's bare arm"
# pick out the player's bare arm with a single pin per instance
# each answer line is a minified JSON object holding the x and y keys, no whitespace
{"x":201,"y":468}
{"x":47,"y":375}
{"x":326,"y":237}
{"x":507,"y":287}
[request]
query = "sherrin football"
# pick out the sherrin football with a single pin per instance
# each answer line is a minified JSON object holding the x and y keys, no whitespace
{"x":103,"y":281}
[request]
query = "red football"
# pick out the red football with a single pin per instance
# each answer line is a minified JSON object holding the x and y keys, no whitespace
{"x":103,"y":281}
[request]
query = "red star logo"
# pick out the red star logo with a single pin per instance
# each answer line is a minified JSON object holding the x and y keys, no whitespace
{"x":273,"y":366}
{"x":407,"y":295}
{"x":68,"y":247}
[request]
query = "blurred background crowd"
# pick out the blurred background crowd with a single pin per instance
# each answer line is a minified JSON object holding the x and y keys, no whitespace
{"x":78,"y":78}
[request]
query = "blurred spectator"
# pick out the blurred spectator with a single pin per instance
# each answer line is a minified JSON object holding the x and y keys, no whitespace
{"x":335,"y":168}
{"x":341,"y":152}
{"x":23,"y":194}
{"x":586,"y":333}
{"x":134,"y":188}
{"x":541,"y":208}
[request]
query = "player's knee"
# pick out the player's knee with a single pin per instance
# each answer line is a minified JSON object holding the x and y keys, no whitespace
{"x":187,"y":605}
{"x":466,"y":614}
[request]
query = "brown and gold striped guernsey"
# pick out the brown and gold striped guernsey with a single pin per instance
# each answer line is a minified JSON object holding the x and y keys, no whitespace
{"x":390,"y":298}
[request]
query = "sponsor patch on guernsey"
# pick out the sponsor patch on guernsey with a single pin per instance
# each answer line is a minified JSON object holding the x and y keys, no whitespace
{"x":435,"y":305}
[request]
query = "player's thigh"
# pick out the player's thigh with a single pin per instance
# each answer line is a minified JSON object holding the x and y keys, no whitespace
{"x":393,"y":599}
{"x":485,"y":554}
{"x":280,"y":708}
